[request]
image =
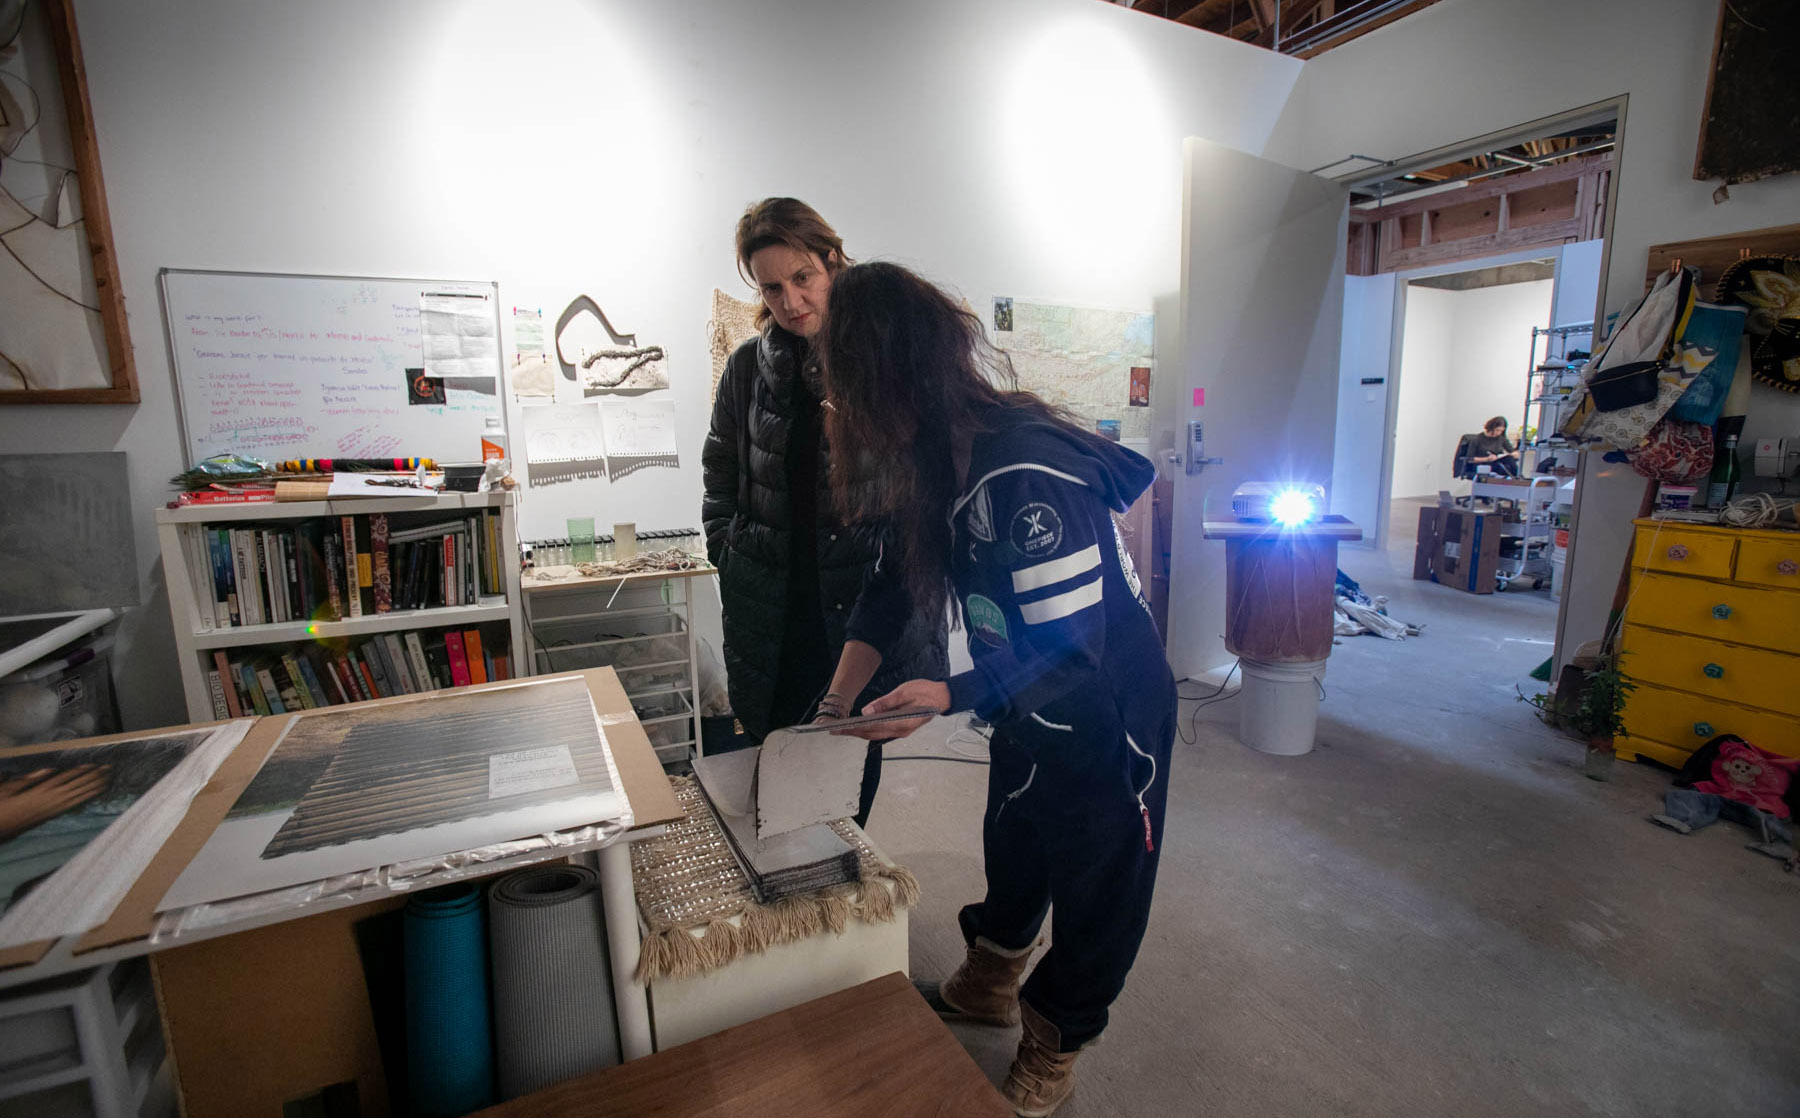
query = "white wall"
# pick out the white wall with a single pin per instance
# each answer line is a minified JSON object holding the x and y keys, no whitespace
{"x":1463,"y":68}
{"x":1462,"y":363}
{"x":1366,"y":354}
{"x":1024,"y":147}
{"x":1421,"y":461}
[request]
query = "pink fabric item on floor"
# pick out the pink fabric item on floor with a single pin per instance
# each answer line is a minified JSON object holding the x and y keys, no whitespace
{"x":1753,"y":776}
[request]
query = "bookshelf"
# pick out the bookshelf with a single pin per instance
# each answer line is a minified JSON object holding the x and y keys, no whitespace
{"x":314,"y":622}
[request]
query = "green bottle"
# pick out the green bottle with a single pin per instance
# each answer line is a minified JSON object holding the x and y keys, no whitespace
{"x":1722,"y":484}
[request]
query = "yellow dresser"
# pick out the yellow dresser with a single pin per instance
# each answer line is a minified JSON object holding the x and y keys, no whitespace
{"x":1712,"y":640}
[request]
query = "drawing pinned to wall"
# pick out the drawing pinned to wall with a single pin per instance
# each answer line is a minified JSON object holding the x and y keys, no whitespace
{"x":1140,"y":386}
{"x":559,"y":435}
{"x":532,"y":376}
{"x":1002,"y":314}
{"x":457,"y":335}
{"x":599,"y":358}
{"x":1081,"y":358}
{"x":733,"y":322}
{"x":638,"y":435}
{"x":421,"y":389}
{"x":63,"y":335}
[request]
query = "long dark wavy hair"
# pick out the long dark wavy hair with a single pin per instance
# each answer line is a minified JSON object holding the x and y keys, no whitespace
{"x":909,"y":375}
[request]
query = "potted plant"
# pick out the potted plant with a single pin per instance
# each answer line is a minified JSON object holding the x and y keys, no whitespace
{"x":1591,"y":704}
{"x":1600,"y":716}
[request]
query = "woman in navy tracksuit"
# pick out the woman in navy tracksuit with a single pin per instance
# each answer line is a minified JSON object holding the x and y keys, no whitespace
{"x":1005,"y":504}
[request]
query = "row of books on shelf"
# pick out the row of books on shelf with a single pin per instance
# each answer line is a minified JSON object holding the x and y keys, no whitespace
{"x":331,"y":568}
{"x":274,"y":680}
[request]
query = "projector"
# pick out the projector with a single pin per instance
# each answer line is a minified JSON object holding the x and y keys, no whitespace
{"x":1287,"y":505}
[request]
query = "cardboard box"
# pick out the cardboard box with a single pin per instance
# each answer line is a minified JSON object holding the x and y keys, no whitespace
{"x":1458,"y":547}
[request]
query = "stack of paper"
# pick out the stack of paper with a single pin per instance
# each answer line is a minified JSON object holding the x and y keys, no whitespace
{"x":783,"y":865}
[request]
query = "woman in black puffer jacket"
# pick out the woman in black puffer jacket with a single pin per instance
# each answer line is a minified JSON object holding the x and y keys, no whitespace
{"x":811,"y":603}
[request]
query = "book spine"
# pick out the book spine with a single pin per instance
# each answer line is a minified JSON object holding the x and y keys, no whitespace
{"x":371,"y":685}
{"x":352,"y":680}
{"x":223,"y":666}
{"x":240,"y":577}
{"x":215,"y":688}
{"x":450,"y":582}
{"x":199,"y":568}
{"x":459,"y":662}
{"x":502,"y":667}
{"x":375,"y":655}
{"x":396,"y":657}
{"x":313,"y":683}
{"x":265,"y":601}
{"x":308,"y":700}
{"x":271,"y":692}
{"x":334,"y":565}
{"x":290,"y":554}
{"x":415,"y":649}
{"x":472,"y":655}
{"x":471,"y":584}
{"x":383,"y":575}
{"x":352,"y":568}
{"x":221,"y":580}
{"x":253,"y":687}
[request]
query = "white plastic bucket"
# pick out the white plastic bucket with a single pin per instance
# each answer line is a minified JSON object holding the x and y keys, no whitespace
{"x":1278,"y":708}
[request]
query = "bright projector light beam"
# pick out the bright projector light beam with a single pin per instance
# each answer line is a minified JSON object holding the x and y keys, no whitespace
{"x":1291,"y":507}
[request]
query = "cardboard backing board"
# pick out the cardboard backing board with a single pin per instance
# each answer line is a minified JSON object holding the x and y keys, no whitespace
{"x":1464,"y":548}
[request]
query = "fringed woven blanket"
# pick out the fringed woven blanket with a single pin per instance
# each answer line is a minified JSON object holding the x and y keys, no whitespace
{"x":700,"y":911}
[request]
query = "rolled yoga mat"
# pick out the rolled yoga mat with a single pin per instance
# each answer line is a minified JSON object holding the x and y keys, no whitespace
{"x":449,"y":1040}
{"x":553,"y":1005}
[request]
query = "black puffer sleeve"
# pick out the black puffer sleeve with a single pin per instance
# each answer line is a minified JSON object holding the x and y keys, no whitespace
{"x":719,"y":463}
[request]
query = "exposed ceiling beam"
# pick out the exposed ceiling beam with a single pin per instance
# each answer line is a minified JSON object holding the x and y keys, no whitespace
{"x":1204,"y":13}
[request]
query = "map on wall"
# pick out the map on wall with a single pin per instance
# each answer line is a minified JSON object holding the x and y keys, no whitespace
{"x":1082,"y":358}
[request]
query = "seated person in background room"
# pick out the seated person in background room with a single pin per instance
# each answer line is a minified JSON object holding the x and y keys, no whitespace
{"x":1005,"y":504}
{"x":790,"y":571}
{"x":1493,"y":449}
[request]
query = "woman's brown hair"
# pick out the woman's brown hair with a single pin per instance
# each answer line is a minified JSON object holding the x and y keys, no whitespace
{"x":790,"y":222}
{"x":909,"y":376}
{"x":1498,"y":421}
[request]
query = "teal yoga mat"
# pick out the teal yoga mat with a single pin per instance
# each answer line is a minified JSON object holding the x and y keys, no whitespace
{"x":449,"y":1037}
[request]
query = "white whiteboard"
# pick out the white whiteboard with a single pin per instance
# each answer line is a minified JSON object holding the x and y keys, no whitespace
{"x":285,"y":366}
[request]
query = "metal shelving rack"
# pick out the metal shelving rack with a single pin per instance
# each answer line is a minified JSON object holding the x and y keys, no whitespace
{"x":641,"y":626}
{"x":1547,"y":388}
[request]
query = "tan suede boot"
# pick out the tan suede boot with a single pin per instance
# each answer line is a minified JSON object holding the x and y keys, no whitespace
{"x":1041,"y":1077}
{"x":984,"y":990}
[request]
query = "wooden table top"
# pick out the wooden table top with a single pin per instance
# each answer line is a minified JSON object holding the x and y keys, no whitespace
{"x":872,"y":1050}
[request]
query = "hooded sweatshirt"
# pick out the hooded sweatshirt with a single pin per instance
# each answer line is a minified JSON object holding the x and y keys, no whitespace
{"x":1058,"y":628}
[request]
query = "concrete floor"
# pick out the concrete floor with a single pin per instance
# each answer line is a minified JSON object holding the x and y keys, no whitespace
{"x":1433,"y":913}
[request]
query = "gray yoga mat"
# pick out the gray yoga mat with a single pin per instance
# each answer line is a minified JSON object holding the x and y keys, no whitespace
{"x":553,"y":1005}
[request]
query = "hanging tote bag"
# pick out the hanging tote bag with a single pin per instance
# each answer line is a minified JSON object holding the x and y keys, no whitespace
{"x":1647,"y":335}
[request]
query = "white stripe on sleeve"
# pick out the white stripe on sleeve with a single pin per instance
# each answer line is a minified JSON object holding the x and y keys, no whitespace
{"x":1056,"y":570}
{"x":1062,"y":605}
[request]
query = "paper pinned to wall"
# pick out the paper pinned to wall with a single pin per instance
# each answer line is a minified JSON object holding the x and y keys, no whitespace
{"x":533,"y":374}
{"x":640,"y":435}
{"x":639,"y":428}
{"x":563,"y":433}
{"x":457,"y":334}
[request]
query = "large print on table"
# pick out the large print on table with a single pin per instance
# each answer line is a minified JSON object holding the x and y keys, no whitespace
{"x":1079,"y":357}
{"x":78,"y":825}
{"x":355,"y":789}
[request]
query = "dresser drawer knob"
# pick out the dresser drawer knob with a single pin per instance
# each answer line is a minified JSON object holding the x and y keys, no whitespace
{"x":1703,"y":729}
{"x":1788,"y":567}
{"x":1721,"y":612}
{"x":1714,"y":671}
{"x":1678,"y":551}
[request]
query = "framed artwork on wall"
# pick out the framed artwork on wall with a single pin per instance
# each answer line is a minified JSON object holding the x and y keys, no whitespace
{"x":63,"y":337}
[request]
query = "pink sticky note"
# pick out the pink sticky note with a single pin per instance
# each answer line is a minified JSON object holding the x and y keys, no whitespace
{"x":1199,"y":397}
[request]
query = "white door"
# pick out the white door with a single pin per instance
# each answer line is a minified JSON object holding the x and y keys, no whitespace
{"x":1261,"y":302}
{"x":1365,"y":381}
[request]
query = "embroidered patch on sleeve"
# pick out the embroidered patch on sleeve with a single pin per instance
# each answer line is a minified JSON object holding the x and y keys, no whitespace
{"x":1037,"y":531}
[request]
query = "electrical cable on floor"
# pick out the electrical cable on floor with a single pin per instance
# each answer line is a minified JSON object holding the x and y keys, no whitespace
{"x":1218,"y":696}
